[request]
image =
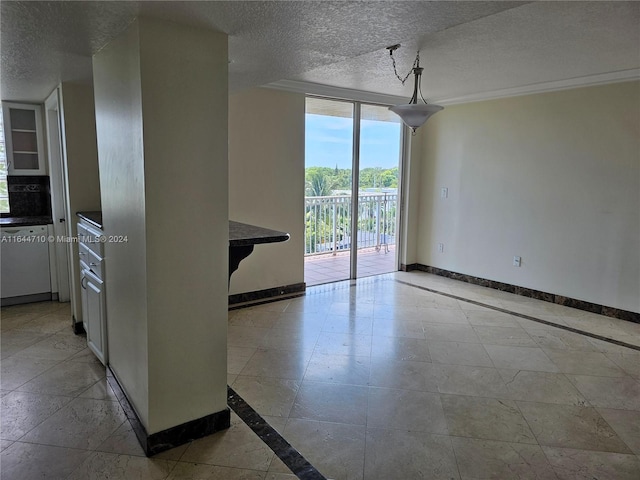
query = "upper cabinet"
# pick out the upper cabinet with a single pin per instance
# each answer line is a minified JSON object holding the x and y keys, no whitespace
{"x":23,"y":139}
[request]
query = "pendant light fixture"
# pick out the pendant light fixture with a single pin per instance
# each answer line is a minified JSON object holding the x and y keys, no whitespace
{"x":413,"y":114}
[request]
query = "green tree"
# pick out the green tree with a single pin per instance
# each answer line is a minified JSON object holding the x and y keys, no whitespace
{"x":318,"y":183}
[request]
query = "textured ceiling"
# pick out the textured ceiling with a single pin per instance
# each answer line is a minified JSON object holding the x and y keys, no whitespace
{"x":466,"y":47}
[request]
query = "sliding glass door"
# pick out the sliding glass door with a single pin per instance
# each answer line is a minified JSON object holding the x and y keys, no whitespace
{"x":350,"y":220}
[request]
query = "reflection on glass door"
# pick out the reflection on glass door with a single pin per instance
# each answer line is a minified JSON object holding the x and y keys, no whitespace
{"x":350,"y":229}
{"x":378,"y":179}
{"x":328,"y":166}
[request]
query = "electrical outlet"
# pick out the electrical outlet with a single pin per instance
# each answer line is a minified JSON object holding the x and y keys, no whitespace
{"x":517,"y":261}
{"x":441,"y":247}
{"x":444,"y":192}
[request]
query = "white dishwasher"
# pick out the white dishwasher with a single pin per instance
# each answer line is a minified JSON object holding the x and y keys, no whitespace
{"x":24,"y":265}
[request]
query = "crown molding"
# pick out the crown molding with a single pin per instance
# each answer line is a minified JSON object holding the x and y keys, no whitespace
{"x":588,"y":81}
{"x":309,"y":88}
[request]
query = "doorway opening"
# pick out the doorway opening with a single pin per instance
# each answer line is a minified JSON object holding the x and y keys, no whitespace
{"x":352,"y":184}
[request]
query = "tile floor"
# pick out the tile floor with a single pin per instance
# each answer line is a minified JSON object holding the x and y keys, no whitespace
{"x":320,"y":269}
{"x":373,"y":379}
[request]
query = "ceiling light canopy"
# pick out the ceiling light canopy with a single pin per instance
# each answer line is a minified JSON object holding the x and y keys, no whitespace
{"x":413,"y":114}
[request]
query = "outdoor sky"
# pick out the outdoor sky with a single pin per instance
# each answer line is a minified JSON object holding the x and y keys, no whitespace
{"x":328,"y":142}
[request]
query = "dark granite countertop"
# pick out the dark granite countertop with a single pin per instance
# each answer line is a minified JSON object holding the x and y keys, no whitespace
{"x":94,"y":218}
{"x":243,"y":234}
{"x":240,"y":234}
{"x":25,"y":221}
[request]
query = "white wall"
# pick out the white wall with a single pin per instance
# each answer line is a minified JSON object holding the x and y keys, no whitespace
{"x":161,"y":106}
{"x":266,"y":183}
{"x":81,"y":167}
{"x":411,"y":194}
{"x":118,"y":100}
{"x":553,"y":178}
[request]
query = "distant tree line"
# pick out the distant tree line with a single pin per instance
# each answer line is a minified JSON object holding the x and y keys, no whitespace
{"x":323,"y":181}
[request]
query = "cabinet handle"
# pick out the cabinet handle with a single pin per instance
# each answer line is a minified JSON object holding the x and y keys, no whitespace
{"x":82,"y":283}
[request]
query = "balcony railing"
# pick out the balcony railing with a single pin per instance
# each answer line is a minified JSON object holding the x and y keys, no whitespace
{"x":328,"y":222}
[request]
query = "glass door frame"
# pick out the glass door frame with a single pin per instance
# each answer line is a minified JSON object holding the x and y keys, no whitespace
{"x":404,"y":149}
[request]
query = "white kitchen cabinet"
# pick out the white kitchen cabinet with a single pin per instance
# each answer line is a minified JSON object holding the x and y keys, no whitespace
{"x":94,"y":312}
{"x":24,"y":139}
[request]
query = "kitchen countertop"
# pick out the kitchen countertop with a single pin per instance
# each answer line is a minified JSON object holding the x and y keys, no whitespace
{"x":94,"y":218}
{"x":243,"y":234}
{"x":240,"y":234}
{"x":25,"y":221}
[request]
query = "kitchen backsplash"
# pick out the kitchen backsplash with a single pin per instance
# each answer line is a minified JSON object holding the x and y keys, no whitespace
{"x":29,"y":196}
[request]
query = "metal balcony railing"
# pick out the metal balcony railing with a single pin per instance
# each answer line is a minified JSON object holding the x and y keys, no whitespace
{"x":328,"y":222}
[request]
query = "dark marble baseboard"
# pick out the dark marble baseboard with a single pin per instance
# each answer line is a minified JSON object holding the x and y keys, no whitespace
{"x":529,"y":292}
{"x":267,"y":295}
{"x":171,"y":437}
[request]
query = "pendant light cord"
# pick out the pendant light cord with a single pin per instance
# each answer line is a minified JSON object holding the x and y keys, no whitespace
{"x":416,"y":62}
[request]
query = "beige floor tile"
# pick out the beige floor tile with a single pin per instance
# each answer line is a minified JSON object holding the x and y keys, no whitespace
{"x":398,"y":328}
{"x":516,"y":336}
{"x":405,"y":410}
{"x":609,"y":392}
{"x":21,"y":412}
{"x":67,"y":378}
{"x":543,"y":387}
{"x":123,"y":441}
{"x":245,"y":336}
{"x":331,"y":403}
{"x":343,"y":344}
{"x":521,"y":358}
{"x":398,"y":454}
{"x":406,"y":375}
{"x":14,"y":341}
{"x":110,"y":465}
{"x":560,"y":339}
{"x":336,"y":450}
{"x":277,"y":364}
{"x":584,"y":363}
{"x":571,"y":464}
{"x":346,"y":369}
{"x":16,"y":371}
{"x":450,"y":333}
{"x":570,"y":426}
{"x":486,"y":418}
{"x":626,"y":424}
{"x":236,"y":447}
{"x":291,"y":339}
{"x":489,"y":459}
{"x":238,"y":357}
{"x":267,"y":395}
{"x":459,"y":353}
{"x":194,"y":471}
{"x":629,"y":362}
{"x":55,"y":347}
{"x":254,"y":318}
{"x":100,"y":391}
{"x":27,"y":461}
{"x":399,"y":348}
{"x":48,"y":324}
{"x":467,"y":380}
{"x":82,"y":423}
{"x":350,"y":325}
{"x":445,"y":316}
{"x":490,"y":318}
{"x":280,"y":476}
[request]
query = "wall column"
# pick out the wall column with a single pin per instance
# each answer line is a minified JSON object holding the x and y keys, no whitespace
{"x":161,"y":98}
